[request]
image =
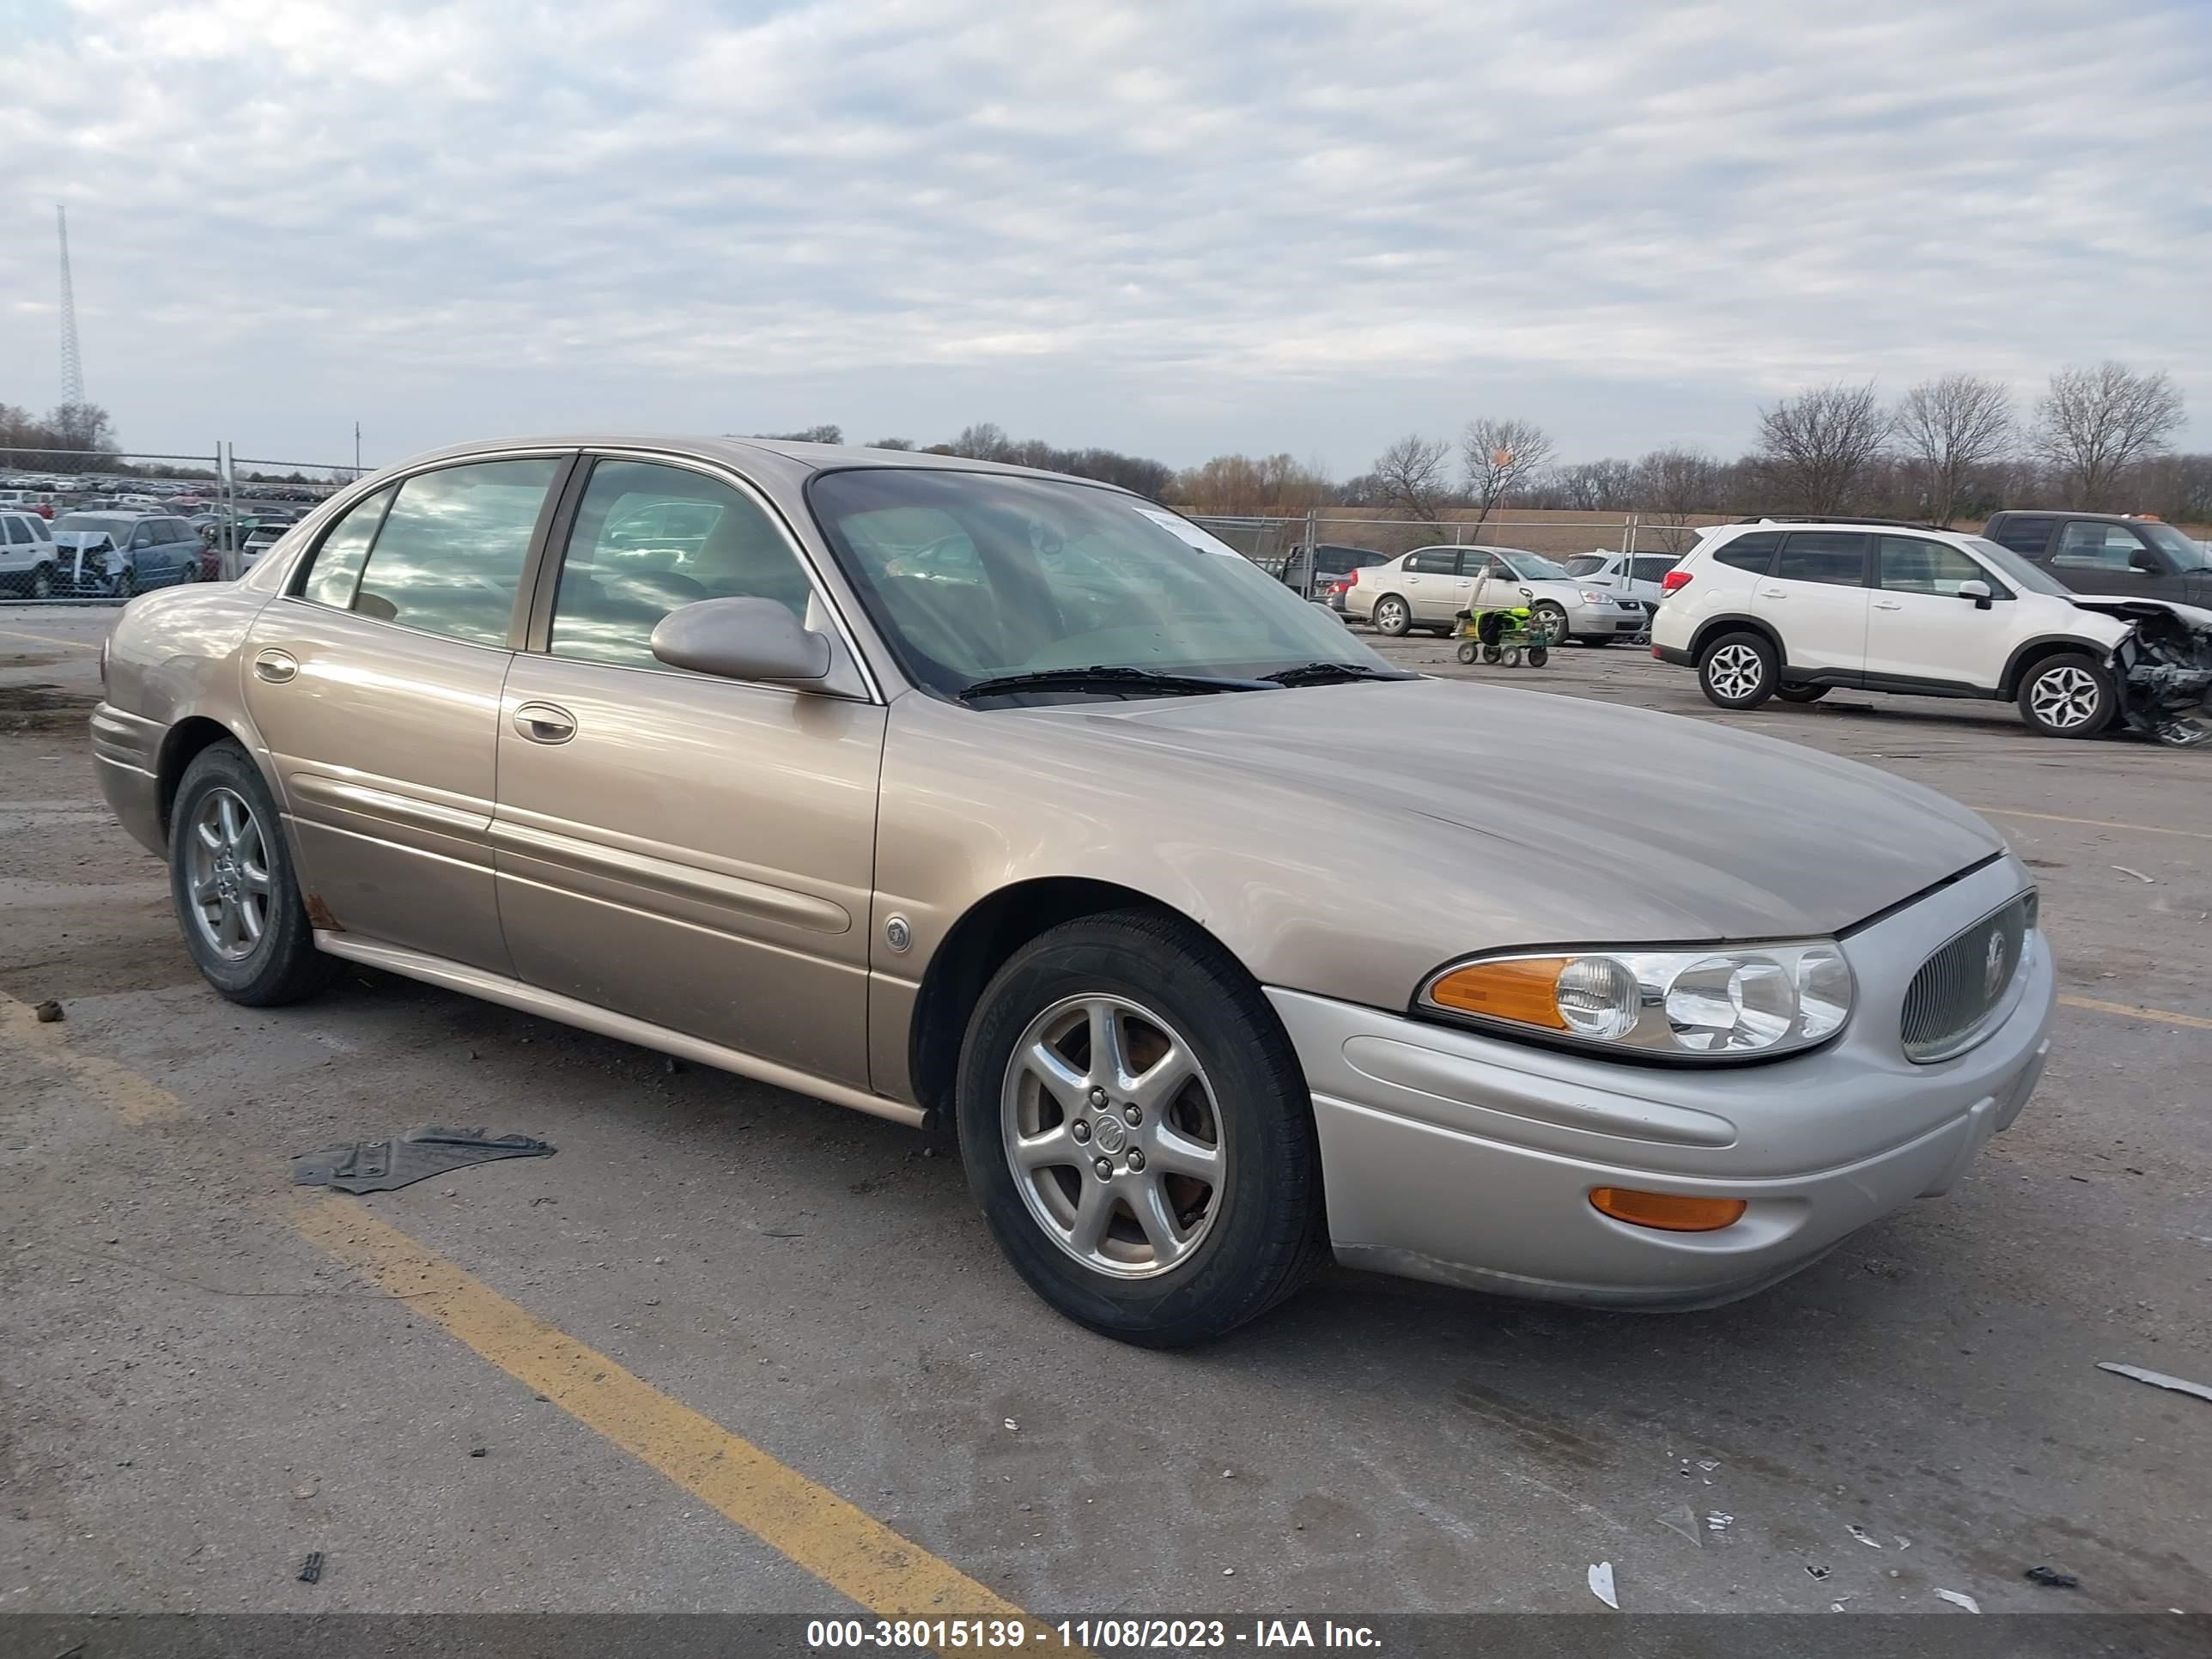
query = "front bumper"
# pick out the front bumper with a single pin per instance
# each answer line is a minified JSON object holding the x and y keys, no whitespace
{"x":1452,"y":1156}
{"x":1606,"y":620}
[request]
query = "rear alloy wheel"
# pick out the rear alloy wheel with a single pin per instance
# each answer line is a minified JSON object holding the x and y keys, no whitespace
{"x":230,"y":877}
{"x":2067,"y":696}
{"x":1138,"y":1133}
{"x":1802,"y":692}
{"x":1393,"y":616}
{"x":1738,"y":671}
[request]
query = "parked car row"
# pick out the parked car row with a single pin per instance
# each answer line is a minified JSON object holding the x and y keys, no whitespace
{"x":1432,"y":587}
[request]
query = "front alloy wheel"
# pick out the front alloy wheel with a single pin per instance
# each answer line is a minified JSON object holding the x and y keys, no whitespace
{"x":2068,"y":696}
{"x":1113,"y":1133}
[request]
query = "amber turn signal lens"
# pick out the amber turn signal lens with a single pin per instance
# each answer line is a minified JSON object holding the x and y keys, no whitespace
{"x":1670,"y":1213}
{"x":1525,"y":991}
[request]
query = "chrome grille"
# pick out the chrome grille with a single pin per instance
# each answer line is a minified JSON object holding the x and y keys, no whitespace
{"x":1960,"y":987}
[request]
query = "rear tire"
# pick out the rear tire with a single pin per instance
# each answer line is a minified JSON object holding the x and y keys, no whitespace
{"x":2068,"y":695}
{"x":231,"y":882}
{"x":1802,"y":692}
{"x":1393,"y":616}
{"x":1739,"y":671}
{"x":1215,"y":1252}
{"x":42,"y":582}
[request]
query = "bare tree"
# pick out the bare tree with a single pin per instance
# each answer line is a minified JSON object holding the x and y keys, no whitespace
{"x":1411,"y":477}
{"x":2096,"y":423}
{"x":1605,"y":486}
{"x":1951,"y":428}
{"x":1674,"y":484}
{"x":1817,"y":448}
{"x":1500,"y":454}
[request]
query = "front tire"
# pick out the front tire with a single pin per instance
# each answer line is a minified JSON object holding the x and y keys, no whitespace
{"x":231,"y":882}
{"x":2068,"y":695}
{"x":1132,"y":1043}
{"x":1738,"y":671}
{"x":1393,"y":616}
{"x":1802,"y":692}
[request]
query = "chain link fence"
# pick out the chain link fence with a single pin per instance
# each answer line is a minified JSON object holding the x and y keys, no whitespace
{"x":80,"y":526}
{"x":1296,"y":550}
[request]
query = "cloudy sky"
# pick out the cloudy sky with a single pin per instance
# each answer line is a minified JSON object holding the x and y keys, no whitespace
{"x":1176,"y":229}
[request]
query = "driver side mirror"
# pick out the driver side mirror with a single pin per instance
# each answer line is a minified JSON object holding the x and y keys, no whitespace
{"x":750,"y":639}
{"x":1978,"y":592}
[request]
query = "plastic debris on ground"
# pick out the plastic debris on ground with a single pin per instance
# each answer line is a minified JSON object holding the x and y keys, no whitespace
{"x":381,"y":1166}
{"x":1682,"y":1519}
{"x":1863,"y":1536}
{"x":2137,"y":874}
{"x":2157,"y":1379}
{"x":1959,"y":1599}
{"x":1601,"y":1583}
{"x":311,"y":1568}
{"x":2052,"y":1578}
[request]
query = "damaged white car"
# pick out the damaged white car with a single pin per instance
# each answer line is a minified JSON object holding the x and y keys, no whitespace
{"x":1791,"y":609}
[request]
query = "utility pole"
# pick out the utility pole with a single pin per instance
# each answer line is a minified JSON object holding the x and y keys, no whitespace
{"x":72,"y":365}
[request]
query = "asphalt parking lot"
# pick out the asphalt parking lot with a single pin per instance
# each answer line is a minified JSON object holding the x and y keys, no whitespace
{"x":701,"y":1358}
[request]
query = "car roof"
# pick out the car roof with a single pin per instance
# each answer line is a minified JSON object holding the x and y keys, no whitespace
{"x":2074,"y":513}
{"x":767,"y":461}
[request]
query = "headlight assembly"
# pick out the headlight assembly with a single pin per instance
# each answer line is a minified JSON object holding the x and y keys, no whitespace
{"x":1734,"y":1003}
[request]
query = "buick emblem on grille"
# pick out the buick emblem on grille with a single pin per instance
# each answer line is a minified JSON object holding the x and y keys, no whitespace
{"x":1993,"y":966}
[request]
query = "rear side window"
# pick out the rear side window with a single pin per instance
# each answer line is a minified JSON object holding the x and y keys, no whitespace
{"x":1832,"y":557}
{"x":449,"y":558}
{"x":1754,"y":551}
{"x":2029,"y":536}
{"x":335,"y":570}
{"x":1440,"y":562}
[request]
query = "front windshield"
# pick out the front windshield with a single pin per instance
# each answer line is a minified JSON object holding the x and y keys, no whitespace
{"x":87,"y":522}
{"x":971,"y":576}
{"x":2018,"y":571}
{"x":1531,"y":567}
{"x":2185,"y":554}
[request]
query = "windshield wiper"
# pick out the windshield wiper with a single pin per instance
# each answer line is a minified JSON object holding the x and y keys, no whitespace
{"x":1322,"y":673}
{"x":1110,"y":677}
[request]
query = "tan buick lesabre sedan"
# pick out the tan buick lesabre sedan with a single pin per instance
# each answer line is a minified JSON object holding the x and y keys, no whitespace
{"x":953,"y":792}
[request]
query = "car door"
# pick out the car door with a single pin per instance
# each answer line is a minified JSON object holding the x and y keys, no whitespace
{"x":374,"y":683}
{"x":1920,"y":630}
{"x":2094,"y":557}
{"x":1429,"y":579}
{"x":1815,"y":600}
{"x":688,"y":850}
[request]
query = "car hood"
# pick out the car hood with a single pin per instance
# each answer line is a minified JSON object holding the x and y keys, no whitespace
{"x":74,"y":539}
{"x":1562,"y":820}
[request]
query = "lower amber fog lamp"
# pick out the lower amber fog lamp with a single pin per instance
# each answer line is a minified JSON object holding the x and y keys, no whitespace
{"x":1671,"y":1212}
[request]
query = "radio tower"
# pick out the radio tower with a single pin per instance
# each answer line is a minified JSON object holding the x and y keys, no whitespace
{"x":72,"y":366}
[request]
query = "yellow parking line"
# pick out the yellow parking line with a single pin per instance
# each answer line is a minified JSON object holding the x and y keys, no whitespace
{"x":841,"y":1543}
{"x":2128,"y":1011}
{"x":2095,"y":823}
{"x":122,"y":1090}
{"x":47,"y":638}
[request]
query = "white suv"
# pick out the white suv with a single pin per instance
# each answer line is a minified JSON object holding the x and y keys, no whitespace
{"x":27,"y":556}
{"x":1790,"y":609}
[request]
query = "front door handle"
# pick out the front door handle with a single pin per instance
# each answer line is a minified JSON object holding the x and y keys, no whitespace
{"x":275,"y":667}
{"x":544,"y":722}
{"x":1887,"y":604}
{"x":1773,"y":592}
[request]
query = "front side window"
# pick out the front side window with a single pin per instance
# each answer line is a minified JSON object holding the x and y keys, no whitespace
{"x":1911,"y":564}
{"x":970,"y":576}
{"x":334,"y":570}
{"x":648,"y":539}
{"x":448,"y":559}
{"x":1832,"y":557}
{"x":2083,"y":545}
{"x":18,"y":531}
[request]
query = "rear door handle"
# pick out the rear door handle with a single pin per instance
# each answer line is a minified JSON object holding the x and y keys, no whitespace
{"x":1887,"y":604}
{"x":1773,"y":592}
{"x":544,"y":722}
{"x":275,"y":667}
